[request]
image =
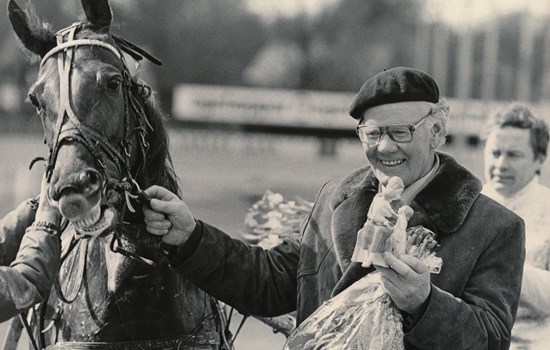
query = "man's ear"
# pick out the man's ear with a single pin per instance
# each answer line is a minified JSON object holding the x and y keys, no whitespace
{"x":437,"y":135}
{"x":539,"y":163}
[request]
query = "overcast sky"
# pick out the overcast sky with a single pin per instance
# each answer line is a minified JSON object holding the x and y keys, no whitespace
{"x":455,"y":12}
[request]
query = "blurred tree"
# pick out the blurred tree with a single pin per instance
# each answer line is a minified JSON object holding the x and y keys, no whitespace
{"x":360,"y":38}
{"x":279,"y":64}
{"x":207,"y":42}
{"x":220,"y":42}
{"x":342,"y":47}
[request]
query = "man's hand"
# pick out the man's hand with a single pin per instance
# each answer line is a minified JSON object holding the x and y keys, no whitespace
{"x":407,"y":280}
{"x":168,"y":216}
{"x":46,"y":212}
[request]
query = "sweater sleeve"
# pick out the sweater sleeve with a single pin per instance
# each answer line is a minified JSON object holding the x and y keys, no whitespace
{"x":535,"y":287}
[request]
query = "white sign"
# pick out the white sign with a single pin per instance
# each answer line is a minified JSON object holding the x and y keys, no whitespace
{"x":262,"y":106}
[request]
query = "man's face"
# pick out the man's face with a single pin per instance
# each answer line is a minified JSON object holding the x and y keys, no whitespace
{"x":509,"y":160}
{"x":410,"y":161}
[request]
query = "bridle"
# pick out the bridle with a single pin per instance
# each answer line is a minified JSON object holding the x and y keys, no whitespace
{"x":93,"y":140}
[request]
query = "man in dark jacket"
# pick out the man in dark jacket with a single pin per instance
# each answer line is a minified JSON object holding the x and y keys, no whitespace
{"x":470,"y":304}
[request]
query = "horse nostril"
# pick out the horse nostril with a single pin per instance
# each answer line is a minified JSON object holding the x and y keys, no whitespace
{"x":89,"y":180}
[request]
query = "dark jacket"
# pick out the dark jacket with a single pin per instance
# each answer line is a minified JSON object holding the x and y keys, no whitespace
{"x":34,"y":258}
{"x":473,"y":300}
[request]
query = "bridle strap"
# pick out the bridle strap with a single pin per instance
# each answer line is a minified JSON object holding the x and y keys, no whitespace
{"x":90,"y":137}
{"x":80,"y":42}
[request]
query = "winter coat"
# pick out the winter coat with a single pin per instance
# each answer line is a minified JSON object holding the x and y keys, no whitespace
{"x":473,"y":300}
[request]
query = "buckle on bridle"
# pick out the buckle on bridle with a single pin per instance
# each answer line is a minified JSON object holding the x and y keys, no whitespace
{"x":138,"y":195}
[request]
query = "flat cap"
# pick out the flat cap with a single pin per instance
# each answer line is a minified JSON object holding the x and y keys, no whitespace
{"x":399,"y":84}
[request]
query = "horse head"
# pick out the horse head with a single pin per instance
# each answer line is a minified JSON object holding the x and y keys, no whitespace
{"x":105,"y":137}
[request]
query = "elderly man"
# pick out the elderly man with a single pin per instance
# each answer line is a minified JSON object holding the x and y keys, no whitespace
{"x":515,"y":150}
{"x":470,"y":304}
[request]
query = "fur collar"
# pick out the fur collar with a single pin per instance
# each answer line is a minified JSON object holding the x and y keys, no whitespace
{"x":441,"y":206}
{"x":445,"y":201}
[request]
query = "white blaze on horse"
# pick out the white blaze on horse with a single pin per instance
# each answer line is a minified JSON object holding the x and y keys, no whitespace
{"x":106,"y":142}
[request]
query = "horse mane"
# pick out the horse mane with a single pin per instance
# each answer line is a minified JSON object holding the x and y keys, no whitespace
{"x":158,"y":168}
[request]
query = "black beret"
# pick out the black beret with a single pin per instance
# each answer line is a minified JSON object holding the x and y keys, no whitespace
{"x":400,"y":84}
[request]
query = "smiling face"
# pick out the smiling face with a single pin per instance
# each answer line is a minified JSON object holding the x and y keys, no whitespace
{"x":412,"y":160}
{"x":510,"y":162}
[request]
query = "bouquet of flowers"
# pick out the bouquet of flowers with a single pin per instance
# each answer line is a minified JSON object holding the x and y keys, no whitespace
{"x":267,"y":222}
{"x":272,"y":218}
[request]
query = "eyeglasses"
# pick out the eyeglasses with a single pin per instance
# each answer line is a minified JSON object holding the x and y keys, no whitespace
{"x":371,"y":134}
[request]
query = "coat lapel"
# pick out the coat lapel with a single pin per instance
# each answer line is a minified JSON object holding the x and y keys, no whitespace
{"x":350,"y":203}
{"x":446,"y":201}
{"x":344,"y":233}
{"x":353,"y":196}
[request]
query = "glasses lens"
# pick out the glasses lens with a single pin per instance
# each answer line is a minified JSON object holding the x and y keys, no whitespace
{"x":400,"y":133}
{"x":369,"y":134}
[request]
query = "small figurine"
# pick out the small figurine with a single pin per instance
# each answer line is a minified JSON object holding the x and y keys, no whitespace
{"x":386,"y":216}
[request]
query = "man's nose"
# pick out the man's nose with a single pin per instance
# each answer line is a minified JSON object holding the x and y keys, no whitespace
{"x":385,"y":143}
{"x":501,"y":162}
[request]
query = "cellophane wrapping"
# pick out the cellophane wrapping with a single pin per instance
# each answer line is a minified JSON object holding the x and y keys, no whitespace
{"x":363,"y":316}
{"x":267,"y":222}
{"x":272,"y":218}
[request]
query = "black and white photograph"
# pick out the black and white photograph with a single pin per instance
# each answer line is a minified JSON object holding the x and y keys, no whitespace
{"x":274,"y":175}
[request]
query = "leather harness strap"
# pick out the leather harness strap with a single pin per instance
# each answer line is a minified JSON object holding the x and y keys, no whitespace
{"x":93,"y":140}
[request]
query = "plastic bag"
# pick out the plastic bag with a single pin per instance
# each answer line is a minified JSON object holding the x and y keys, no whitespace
{"x":363,"y":316}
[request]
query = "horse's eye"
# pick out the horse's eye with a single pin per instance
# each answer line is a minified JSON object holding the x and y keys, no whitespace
{"x":34,"y":101}
{"x":114,"y":84}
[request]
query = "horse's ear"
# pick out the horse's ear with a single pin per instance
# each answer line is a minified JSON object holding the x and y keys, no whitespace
{"x":36,"y":40}
{"x":98,"y":12}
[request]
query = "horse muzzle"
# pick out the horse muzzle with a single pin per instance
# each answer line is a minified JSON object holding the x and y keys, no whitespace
{"x":79,"y":200}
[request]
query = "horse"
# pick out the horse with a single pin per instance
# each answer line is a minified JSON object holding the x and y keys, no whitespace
{"x":107,"y":142}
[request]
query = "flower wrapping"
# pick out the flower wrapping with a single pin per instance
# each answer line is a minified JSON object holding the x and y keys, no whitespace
{"x":363,"y":316}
